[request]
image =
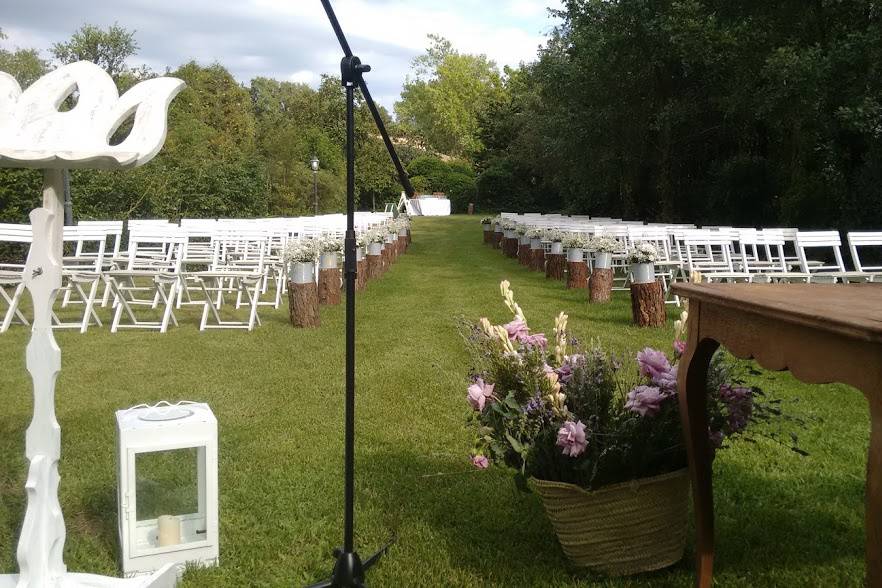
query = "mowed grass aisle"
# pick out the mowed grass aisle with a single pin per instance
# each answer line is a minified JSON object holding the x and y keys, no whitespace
{"x":782,"y":519}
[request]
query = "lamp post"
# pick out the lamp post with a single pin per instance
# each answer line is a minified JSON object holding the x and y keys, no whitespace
{"x":314,"y":164}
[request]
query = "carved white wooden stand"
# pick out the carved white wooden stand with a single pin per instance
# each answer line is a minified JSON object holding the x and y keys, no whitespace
{"x":33,"y":133}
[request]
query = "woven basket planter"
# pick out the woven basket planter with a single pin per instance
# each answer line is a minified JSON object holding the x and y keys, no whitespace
{"x":621,"y":529}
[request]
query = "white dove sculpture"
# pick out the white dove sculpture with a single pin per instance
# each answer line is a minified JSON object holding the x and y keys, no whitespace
{"x":34,"y":133}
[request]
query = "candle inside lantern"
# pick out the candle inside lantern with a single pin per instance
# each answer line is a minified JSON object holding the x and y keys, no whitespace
{"x":169,"y":530}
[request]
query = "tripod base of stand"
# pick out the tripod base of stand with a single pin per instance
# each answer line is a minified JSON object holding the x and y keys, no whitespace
{"x":349,"y":569}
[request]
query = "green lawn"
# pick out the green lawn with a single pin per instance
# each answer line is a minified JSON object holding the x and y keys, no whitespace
{"x":782,"y":519}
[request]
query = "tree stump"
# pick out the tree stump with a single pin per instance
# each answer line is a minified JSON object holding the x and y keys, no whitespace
{"x":409,"y":238}
{"x":329,"y":286}
{"x":374,"y":266}
{"x":577,"y":274}
{"x":524,"y":255}
{"x":648,"y":304}
{"x":402,"y":244}
{"x":488,"y":237}
{"x":556,"y":266}
{"x":510,"y":247}
{"x":538,"y":260}
{"x":303,"y":305}
{"x":496,"y":240}
{"x":361,"y":275}
{"x":600,"y":285}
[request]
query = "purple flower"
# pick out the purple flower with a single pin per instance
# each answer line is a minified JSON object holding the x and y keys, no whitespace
{"x":478,"y":394}
{"x":571,"y":438}
{"x":716,"y":439}
{"x":679,"y":347}
{"x":480,"y":462}
{"x":565,"y":371}
{"x":653,"y":363}
{"x":645,"y":400}
{"x":739,"y":406}
{"x":534,"y":341}
{"x":517,"y":330}
{"x":667,"y":381}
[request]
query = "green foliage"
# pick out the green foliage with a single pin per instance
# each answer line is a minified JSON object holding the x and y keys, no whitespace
{"x":456,"y":179}
{"x":25,"y":65}
{"x":443,"y":103}
{"x":713,"y":111}
{"x":107,"y":48}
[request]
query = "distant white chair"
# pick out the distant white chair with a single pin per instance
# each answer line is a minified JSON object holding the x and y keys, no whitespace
{"x":863,"y":240}
{"x":83,"y":275}
{"x":11,"y":275}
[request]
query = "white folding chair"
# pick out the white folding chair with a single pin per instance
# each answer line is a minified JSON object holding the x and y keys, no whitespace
{"x":83,"y":275}
{"x":11,"y":275}
{"x":151,"y":279}
{"x":864,"y":239}
{"x":824,"y":271}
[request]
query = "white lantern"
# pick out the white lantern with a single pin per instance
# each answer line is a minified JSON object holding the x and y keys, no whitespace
{"x":168,"y":495}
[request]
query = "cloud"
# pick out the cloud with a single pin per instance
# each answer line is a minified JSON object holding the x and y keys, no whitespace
{"x":291,"y":39}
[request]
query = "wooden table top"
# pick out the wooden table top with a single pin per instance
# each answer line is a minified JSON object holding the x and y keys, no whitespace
{"x":851,"y":310}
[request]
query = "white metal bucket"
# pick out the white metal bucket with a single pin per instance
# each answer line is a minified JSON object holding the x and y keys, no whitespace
{"x":642,"y":273}
{"x":575,"y":255}
{"x":303,"y":273}
{"x":602,"y":260}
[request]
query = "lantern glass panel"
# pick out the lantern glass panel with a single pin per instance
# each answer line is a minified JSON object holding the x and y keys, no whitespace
{"x":169,"y":498}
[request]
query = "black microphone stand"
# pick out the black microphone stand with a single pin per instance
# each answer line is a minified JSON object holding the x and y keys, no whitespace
{"x":349,"y":569}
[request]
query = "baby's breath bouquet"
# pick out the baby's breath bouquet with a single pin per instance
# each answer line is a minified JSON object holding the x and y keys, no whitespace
{"x":329,"y":244}
{"x":521,"y":230}
{"x":487,"y":220}
{"x":643,"y":253}
{"x":605,"y":244}
{"x":553,"y":235}
{"x":301,"y":251}
{"x":535,"y":233}
{"x":575,"y":241}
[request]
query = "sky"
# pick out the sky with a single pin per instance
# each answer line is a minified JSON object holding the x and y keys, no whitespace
{"x":291,"y":39}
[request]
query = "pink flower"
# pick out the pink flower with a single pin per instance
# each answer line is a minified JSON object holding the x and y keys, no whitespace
{"x":679,"y":347}
{"x":537,"y":340}
{"x":653,"y":363}
{"x":478,"y":394}
{"x":645,"y":400}
{"x":571,"y":438}
{"x":517,"y":330}
{"x":480,"y":462}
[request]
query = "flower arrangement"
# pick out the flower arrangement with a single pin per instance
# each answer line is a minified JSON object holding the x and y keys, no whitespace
{"x":375,"y":236}
{"x":553,"y":235}
{"x":508,"y":224}
{"x":487,"y":220}
{"x":575,"y":241}
{"x":643,"y":253}
{"x":329,"y":244}
{"x":361,"y":239}
{"x":555,"y":411}
{"x":605,"y":244}
{"x":301,"y":251}
{"x":521,"y":230}
{"x":392,"y":227}
{"x":535,"y":233}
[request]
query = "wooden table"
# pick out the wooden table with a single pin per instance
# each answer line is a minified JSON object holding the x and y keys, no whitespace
{"x":822,"y":334}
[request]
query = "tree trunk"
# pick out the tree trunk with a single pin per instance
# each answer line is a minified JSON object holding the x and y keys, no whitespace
{"x":600,"y":285}
{"x":329,"y":286}
{"x":556,"y":267}
{"x":496,"y":240}
{"x":524,"y":255}
{"x":648,"y":304}
{"x":409,"y":238}
{"x":374,"y":266}
{"x":402,"y":245}
{"x":577,"y":274}
{"x":361,"y":277}
{"x":303,"y":305}
{"x":488,"y":235}
{"x":538,"y":260}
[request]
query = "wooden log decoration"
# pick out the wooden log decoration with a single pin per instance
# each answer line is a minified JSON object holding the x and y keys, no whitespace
{"x":374,"y":266}
{"x":402,"y":244}
{"x":496,"y":240}
{"x":409,"y":238}
{"x":524,"y":255}
{"x":361,"y":276}
{"x":648,"y":304}
{"x":303,"y":305}
{"x":510,"y":247}
{"x":488,"y":234}
{"x":600,"y":285}
{"x":577,"y":274}
{"x":538,"y":260}
{"x":329,"y":286}
{"x":556,"y":266}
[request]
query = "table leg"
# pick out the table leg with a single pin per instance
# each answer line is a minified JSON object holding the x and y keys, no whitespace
{"x":873,"y":511}
{"x":693,"y":411}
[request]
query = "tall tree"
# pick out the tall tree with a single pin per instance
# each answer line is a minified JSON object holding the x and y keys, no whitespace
{"x":108,"y":48}
{"x":442,"y":103}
